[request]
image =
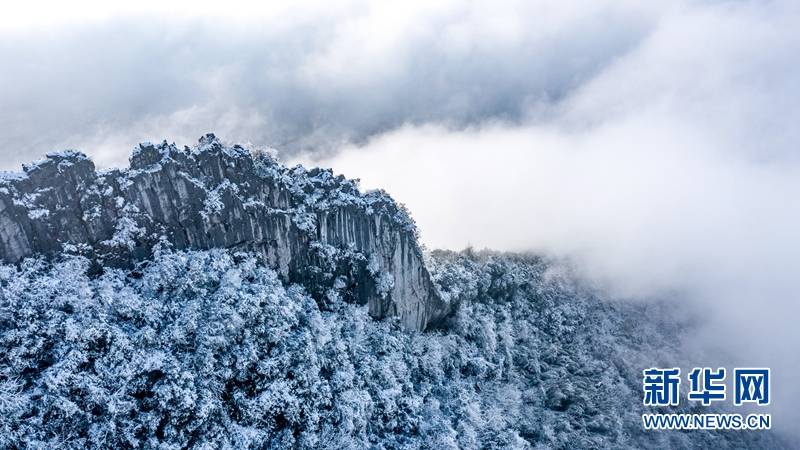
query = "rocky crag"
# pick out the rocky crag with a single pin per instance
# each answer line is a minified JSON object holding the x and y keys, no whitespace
{"x":312,"y":227}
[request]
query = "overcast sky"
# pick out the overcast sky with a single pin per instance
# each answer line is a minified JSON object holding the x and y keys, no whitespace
{"x":652,"y":143}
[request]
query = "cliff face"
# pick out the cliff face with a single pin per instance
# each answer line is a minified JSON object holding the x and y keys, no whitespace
{"x":312,"y":227}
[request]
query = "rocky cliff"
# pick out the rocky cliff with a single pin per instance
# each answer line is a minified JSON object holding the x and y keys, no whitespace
{"x":312,"y":227}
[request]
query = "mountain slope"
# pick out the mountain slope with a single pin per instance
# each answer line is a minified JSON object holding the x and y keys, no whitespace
{"x":210,"y":349}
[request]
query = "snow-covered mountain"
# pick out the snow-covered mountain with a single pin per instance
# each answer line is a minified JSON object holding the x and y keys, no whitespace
{"x":211,"y":298}
{"x":312,"y":227}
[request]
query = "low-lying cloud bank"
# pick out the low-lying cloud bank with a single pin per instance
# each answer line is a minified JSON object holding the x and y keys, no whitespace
{"x":672,"y":173}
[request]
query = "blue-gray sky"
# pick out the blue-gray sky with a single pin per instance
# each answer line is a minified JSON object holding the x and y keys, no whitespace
{"x":652,"y":143}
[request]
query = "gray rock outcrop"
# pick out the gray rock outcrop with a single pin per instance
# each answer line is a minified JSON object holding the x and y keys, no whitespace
{"x":312,"y":227}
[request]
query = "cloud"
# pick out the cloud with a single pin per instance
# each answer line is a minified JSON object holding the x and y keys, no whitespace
{"x":298,"y":80}
{"x":672,"y":172}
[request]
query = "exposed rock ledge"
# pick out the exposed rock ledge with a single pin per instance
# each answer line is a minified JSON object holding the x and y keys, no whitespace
{"x":314,"y":228}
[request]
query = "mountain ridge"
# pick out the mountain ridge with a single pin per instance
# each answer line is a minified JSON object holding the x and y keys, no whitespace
{"x":313,"y":228}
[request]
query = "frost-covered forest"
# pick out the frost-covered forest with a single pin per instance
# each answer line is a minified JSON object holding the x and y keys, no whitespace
{"x":209,"y":349}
